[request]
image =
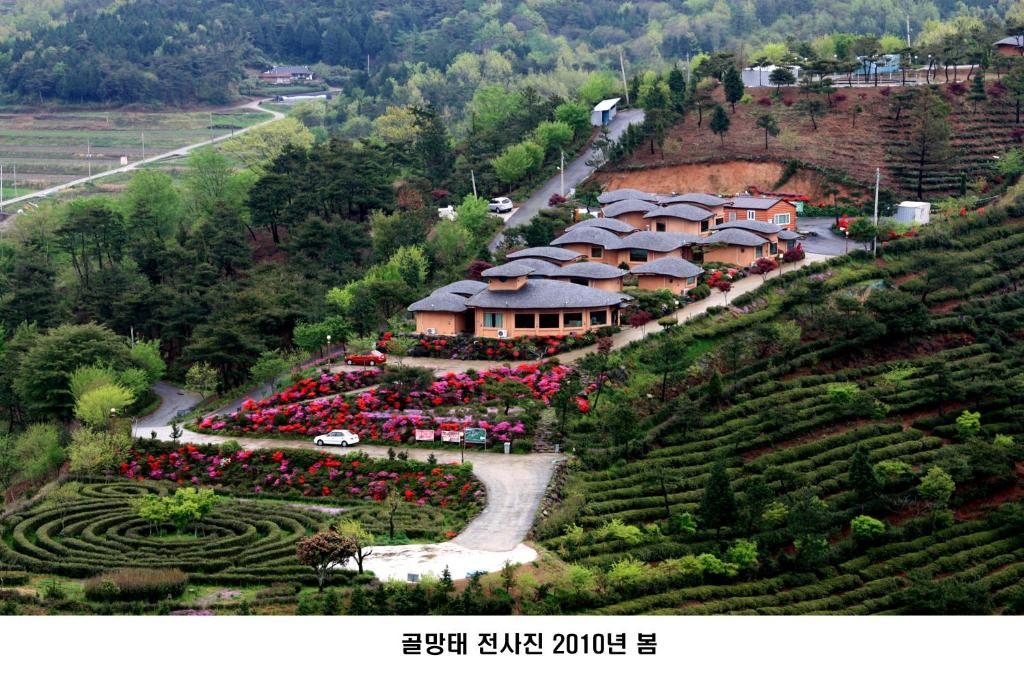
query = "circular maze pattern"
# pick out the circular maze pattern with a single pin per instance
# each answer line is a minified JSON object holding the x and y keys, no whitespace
{"x":239,"y":541}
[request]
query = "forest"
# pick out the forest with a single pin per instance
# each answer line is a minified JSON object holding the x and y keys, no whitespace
{"x":199,"y":52}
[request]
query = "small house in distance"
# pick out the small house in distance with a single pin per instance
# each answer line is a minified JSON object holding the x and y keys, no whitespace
{"x":284,"y":75}
{"x":1012,"y":46}
{"x":605,"y":110}
{"x":914,"y":213}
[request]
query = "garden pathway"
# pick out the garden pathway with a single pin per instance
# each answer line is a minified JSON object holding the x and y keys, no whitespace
{"x":515,"y":485}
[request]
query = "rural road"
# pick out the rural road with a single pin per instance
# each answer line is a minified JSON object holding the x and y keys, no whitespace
{"x":576,"y":172}
{"x":181,"y":151}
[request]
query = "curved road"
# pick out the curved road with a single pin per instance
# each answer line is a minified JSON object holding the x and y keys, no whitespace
{"x":514,"y":483}
{"x":181,"y":151}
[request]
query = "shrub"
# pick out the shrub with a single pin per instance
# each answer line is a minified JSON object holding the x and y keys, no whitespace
{"x":891,"y":472}
{"x":936,"y":486}
{"x":743,"y":554}
{"x":8,"y":579}
{"x":150,"y":585}
{"x":867,"y":529}
{"x":968,"y":424}
{"x":617,"y":530}
{"x":627,"y":574}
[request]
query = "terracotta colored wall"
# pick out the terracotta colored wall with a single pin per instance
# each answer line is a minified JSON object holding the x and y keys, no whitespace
{"x":635,"y":218}
{"x":675,"y":285}
{"x":679,"y":225}
{"x":445,"y":323}
{"x":766,"y":216}
{"x":509,"y":323}
{"x":511,"y":283}
{"x":584,"y":251}
{"x":737,"y":256}
{"x":1008,"y":50}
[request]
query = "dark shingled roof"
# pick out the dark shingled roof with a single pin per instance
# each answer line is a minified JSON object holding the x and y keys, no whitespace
{"x":657,"y":241}
{"x":1013,"y":41}
{"x":442,"y":302}
{"x":609,"y":224}
{"x":627,"y":206}
{"x":553,"y":253}
{"x":462,"y":287}
{"x":687,"y":212}
{"x":756,"y":203}
{"x":542,"y":294}
{"x":590,"y":235}
{"x":540,"y":267}
{"x":788,"y":235}
{"x":671,"y":266}
{"x":613,"y":196}
{"x":590,"y":269}
{"x":701,"y":198}
{"x":744,"y":238}
{"x":511,"y":269}
{"x":763,"y":227}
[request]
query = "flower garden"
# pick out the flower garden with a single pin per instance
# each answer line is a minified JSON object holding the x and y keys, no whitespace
{"x":514,"y":350}
{"x":390,"y":414}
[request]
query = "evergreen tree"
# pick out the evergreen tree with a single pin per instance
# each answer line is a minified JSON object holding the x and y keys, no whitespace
{"x":718,"y":508}
{"x":862,"y":477}
{"x":719,"y":122}
{"x":432,"y":148}
{"x":733,"y":86}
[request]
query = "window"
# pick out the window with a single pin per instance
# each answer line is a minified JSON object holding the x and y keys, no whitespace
{"x":596,"y":252}
{"x":732,"y":215}
{"x":721,"y":219}
{"x":580,"y":281}
{"x":572,"y":320}
{"x":549,"y":321}
{"x":691,"y":280}
{"x":493,"y":319}
{"x":781,"y":219}
{"x":638,"y":255}
{"x":773,"y":248}
{"x":790,"y":244}
{"x":598,"y":318}
{"x":659,"y":227}
{"x":758,"y":251}
{"x":705,"y":226}
{"x":615,"y":317}
{"x":525,"y":321}
{"x":751,"y":215}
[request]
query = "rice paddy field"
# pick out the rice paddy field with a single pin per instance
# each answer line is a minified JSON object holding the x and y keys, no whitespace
{"x":40,"y":149}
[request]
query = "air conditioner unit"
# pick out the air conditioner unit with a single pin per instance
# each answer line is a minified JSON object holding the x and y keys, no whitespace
{"x":431,"y":331}
{"x":502,"y":334}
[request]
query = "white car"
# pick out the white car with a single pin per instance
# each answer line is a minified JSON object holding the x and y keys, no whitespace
{"x":500,"y":205}
{"x":339,"y":437}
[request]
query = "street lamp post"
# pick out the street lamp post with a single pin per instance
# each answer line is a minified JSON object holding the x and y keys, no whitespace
{"x":328,"y":346}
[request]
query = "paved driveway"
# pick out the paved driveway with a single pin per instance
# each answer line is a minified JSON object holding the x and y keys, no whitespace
{"x":576,"y":172}
{"x":821,"y":240}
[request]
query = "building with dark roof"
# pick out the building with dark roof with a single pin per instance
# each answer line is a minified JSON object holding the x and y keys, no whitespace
{"x":283,"y":75}
{"x":736,"y":246}
{"x":680,"y":217}
{"x":629,"y":211}
{"x":462,"y":287}
{"x":592,"y":274}
{"x":612,"y":196}
{"x":552,"y":254}
{"x":768,"y":209}
{"x":674,"y":274}
{"x":609,"y":224}
{"x":1011,"y":46}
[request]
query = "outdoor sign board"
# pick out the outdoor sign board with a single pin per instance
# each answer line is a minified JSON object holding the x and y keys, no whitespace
{"x":476,"y":435}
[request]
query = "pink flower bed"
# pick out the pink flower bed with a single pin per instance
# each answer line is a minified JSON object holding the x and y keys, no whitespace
{"x":383,"y":414}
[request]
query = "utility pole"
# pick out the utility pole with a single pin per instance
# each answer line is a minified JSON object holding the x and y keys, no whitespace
{"x":1,"y":182}
{"x":908,"y":30}
{"x":88,"y":155}
{"x":15,"y":190}
{"x":143,"y":145}
{"x":625,"y":85}
{"x":472,"y":177}
{"x":561,"y":170}
{"x":874,"y":242}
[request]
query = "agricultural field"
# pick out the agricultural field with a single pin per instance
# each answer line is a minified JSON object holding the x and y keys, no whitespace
{"x":850,"y":445}
{"x":50,"y":148}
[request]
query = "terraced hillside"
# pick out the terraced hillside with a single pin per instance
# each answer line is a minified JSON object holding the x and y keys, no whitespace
{"x":867,"y":420}
{"x":856,"y":134}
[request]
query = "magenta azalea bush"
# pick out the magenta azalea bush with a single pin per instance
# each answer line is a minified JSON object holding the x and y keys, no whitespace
{"x":388,"y":415}
{"x":296,"y":473}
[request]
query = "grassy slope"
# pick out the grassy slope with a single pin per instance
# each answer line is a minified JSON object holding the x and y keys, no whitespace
{"x":778,"y":427}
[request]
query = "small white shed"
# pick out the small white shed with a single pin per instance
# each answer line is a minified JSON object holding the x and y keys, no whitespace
{"x":604,"y":112}
{"x":918,"y":213}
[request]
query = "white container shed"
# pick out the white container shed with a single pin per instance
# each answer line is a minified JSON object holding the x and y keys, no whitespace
{"x":604,"y":112}
{"x":914,"y":212}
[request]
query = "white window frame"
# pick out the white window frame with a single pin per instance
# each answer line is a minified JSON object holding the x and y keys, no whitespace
{"x":781,"y":219}
{"x":496,"y":318}
{"x":751,"y":215}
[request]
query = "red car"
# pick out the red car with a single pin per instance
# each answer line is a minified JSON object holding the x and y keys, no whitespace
{"x":372,"y":358}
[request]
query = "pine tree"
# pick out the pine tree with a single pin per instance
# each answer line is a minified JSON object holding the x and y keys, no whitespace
{"x":977,"y":94}
{"x":862,"y":477}
{"x":733,"y":86}
{"x":719,"y":122}
{"x":718,"y":507}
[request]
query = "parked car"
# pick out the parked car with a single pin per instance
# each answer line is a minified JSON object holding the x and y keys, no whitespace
{"x":339,"y":437}
{"x":500,"y":205}
{"x":373,"y":358}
